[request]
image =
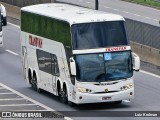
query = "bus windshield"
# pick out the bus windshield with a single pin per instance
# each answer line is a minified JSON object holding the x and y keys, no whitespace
{"x":98,"y":34}
{"x":103,"y":67}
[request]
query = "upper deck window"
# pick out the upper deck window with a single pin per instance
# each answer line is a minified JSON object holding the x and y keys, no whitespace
{"x":98,"y":34}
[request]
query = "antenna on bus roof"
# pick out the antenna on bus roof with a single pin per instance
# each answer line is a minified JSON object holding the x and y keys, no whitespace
{"x":96,"y":4}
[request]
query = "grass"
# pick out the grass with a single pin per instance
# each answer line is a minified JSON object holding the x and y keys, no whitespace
{"x":151,"y":3}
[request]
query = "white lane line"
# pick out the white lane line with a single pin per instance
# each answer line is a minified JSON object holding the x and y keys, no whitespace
{"x":13,"y":25}
{"x":116,"y":9}
{"x":125,"y":11}
{"x":1,"y":88}
{"x":27,"y":98}
{"x":88,"y":2}
{"x":130,"y":13}
{"x":23,"y":96}
{"x":107,"y":7}
{"x":137,"y":15}
{"x":156,"y":20}
{"x":148,"y":17}
{"x":17,"y":105}
{"x":6,"y":93}
{"x":12,"y":52}
{"x":12,"y":99}
{"x":154,"y":75}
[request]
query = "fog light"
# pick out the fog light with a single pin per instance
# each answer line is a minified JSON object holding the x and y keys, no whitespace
{"x":131,"y":93}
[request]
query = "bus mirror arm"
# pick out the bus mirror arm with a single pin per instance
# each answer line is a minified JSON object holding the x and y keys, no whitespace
{"x":136,"y":62}
{"x":72,"y":66}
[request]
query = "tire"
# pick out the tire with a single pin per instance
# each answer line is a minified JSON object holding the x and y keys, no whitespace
{"x":34,"y":83}
{"x":118,"y":102}
{"x":59,"y":91}
{"x":4,"y":21}
{"x":71,"y":104}
{"x":64,"y":96}
{"x":39,"y":90}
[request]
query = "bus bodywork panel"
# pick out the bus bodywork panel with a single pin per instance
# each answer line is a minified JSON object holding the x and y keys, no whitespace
{"x":73,"y":14}
{"x":44,"y":78}
{"x":104,"y":92}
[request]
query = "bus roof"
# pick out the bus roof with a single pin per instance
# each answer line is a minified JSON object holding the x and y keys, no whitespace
{"x":72,"y":14}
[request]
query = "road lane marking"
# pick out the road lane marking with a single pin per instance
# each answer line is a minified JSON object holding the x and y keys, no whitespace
{"x":12,"y":52}
{"x":12,"y":99}
{"x":13,"y":25}
{"x":33,"y":101}
{"x":6,"y":93}
{"x":18,"y":105}
{"x":23,"y":96}
{"x":137,"y":15}
{"x":156,"y":20}
{"x":1,"y":88}
{"x":148,"y":17}
{"x":107,"y":7}
{"x":150,"y":73}
{"x":88,"y":2}
{"x":125,"y":11}
{"x":116,"y":9}
{"x":130,"y":13}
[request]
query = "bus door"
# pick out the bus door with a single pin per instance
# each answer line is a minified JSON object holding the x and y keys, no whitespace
{"x":24,"y":61}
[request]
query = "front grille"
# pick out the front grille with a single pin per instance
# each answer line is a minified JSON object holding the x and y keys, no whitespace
{"x":103,"y":92}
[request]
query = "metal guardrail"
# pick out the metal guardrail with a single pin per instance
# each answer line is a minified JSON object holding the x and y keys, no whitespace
{"x":143,"y":33}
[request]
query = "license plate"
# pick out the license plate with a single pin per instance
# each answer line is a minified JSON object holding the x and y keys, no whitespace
{"x":106,"y":98}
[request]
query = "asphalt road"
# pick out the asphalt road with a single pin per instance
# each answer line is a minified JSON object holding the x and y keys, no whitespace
{"x":128,"y":10}
{"x":147,"y":90}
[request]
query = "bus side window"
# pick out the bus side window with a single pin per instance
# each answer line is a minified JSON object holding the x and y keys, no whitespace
{"x":55,"y":67}
{"x":47,"y":62}
{"x":41,"y":60}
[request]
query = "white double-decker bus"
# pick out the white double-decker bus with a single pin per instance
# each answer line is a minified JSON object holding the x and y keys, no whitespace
{"x":78,"y":54}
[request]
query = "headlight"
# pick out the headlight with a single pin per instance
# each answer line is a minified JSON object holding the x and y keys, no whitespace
{"x":128,"y":86}
{"x":84,"y":90}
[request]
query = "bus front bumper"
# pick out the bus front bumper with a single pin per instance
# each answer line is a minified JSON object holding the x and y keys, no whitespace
{"x":83,"y":98}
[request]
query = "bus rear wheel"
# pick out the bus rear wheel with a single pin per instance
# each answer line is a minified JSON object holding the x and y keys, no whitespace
{"x":34,"y":83}
{"x":64,"y":96}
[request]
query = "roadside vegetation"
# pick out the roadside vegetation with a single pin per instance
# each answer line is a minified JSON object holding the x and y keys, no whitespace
{"x":151,"y":3}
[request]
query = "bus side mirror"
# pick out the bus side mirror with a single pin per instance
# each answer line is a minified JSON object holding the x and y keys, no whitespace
{"x":72,"y":66}
{"x":136,"y":62}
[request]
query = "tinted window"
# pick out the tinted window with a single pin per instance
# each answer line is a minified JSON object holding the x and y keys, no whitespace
{"x":48,"y":62}
{"x":55,"y":68}
{"x":99,"y":35}
{"x":102,"y":67}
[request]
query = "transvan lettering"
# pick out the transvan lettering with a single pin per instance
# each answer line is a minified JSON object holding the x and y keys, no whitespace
{"x":116,"y":49}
